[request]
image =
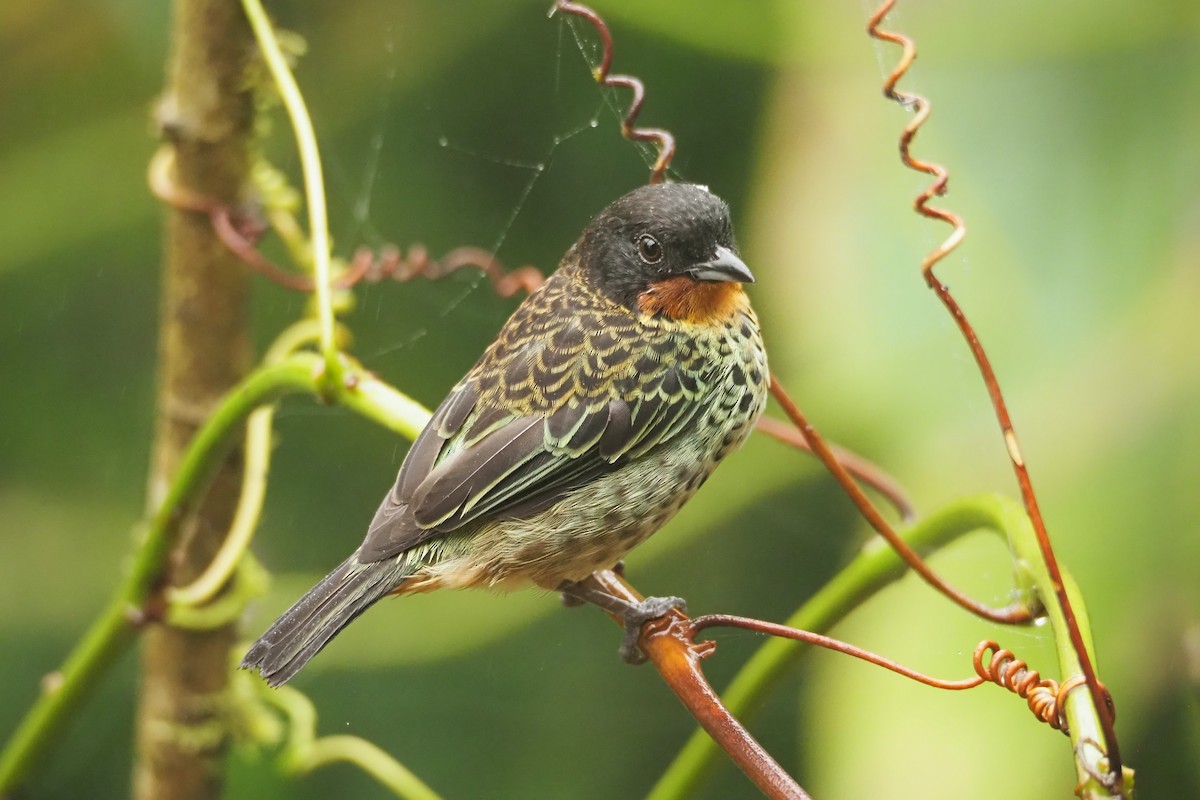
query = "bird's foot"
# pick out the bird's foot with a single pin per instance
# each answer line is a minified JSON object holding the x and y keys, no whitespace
{"x":637,"y":615}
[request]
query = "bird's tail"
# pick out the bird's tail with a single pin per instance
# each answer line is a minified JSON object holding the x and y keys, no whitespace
{"x":305,"y":628}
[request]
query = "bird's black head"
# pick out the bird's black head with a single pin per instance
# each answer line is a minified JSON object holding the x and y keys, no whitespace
{"x":656,"y":233}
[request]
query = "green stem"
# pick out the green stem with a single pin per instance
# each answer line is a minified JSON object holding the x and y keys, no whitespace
{"x":266,"y":385}
{"x":248,"y":582}
{"x":873,"y":569}
{"x":371,"y":759}
{"x":245,"y":520}
{"x":314,"y":184}
{"x":108,"y":637}
{"x":1083,"y":718}
{"x":118,"y":624}
{"x":304,"y":752}
{"x":257,"y":452}
{"x":384,"y":405}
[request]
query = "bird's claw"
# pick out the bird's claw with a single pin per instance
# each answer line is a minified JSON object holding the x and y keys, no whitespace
{"x":637,"y":615}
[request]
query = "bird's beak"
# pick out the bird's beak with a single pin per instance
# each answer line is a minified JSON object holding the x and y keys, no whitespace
{"x":723,"y":266}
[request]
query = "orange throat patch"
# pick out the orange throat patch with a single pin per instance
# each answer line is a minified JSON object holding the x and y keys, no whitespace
{"x":689,"y":300}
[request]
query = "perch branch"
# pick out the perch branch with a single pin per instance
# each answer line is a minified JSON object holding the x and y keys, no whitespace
{"x":666,"y":643}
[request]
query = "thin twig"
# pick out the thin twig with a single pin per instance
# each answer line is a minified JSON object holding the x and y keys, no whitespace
{"x":861,"y":468}
{"x":240,"y":232}
{"x":1017,"y":612}
{"x":829,"y":643}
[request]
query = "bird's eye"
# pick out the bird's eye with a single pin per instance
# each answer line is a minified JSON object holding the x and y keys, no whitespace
{"x":649,"y":249}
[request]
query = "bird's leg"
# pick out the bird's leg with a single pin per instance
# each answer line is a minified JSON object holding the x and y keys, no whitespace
{"x":634,"y":615}
{"x":570,"y":600}
{"x":574,"y":600}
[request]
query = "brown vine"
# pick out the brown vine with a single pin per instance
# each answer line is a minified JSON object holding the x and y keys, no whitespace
{"x":1046,"y":697}
{"x":920,"y":107}
{"x":663,"y":138}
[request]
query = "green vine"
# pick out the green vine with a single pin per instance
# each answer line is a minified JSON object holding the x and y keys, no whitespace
{"x":304,"y":752}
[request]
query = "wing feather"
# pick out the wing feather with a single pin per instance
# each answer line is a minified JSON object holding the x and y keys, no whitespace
{"x":511,"y":439}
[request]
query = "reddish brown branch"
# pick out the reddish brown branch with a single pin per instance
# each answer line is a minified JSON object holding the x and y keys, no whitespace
{"x":668,"y":645}
{"x":669,"y":642}
{"x":861,"y":468}
{"x":664,"y":139}
{"x":1011,"y":614}
{"x":921,"y":109}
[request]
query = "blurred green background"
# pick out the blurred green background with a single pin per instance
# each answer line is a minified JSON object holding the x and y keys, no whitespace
{"x":1071,"y":132}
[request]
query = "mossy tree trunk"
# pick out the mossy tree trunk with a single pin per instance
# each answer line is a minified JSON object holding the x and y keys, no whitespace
{"x":206,"y":114}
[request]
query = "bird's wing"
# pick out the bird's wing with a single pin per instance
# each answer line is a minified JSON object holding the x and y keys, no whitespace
{"x":478,"y":461}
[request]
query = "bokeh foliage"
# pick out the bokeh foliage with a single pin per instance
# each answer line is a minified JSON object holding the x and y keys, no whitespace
{"x":1070,"y":133}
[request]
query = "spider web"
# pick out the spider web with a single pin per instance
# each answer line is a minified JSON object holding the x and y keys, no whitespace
{"x":508,"y":153}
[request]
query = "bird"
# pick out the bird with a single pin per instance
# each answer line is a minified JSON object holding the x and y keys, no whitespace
{"x":602,"y":405}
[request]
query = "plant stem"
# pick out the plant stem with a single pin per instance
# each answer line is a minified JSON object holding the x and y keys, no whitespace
{"x":314,"y":185}
{"x":305,"y":752}
{"x":257,"y":450}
